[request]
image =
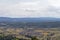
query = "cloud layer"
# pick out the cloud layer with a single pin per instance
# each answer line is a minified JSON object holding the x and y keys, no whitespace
{"x":29,"y":8}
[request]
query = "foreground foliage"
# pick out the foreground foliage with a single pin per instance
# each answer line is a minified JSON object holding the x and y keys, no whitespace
{"x":29,"y":34}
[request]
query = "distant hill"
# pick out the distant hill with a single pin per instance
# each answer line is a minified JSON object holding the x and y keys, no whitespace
{"x":43,"y":22}
{"x":41,"y":19}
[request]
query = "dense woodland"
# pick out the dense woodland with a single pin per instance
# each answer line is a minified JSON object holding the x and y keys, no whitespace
{"x":31,"y":24}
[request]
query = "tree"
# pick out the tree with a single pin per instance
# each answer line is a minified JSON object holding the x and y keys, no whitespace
{"x":34,"y":38}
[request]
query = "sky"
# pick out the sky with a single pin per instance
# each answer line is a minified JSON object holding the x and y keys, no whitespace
{"x":30,"y":8}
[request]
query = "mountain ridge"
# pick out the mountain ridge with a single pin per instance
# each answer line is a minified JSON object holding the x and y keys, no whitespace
{"x":41,"y":19}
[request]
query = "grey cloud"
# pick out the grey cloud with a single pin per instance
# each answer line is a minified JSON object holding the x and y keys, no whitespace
{"x":28,"y":8}
{"x":53,"y":9}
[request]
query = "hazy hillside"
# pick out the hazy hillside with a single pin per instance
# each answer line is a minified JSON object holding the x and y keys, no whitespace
{"x":42,"y":19}
{"x":30,"y":24}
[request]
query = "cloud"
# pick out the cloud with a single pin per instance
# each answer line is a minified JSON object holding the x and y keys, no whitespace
{"x":54,"y":8}
{"x":29,"y":8}
{"x":22,"y":9}
{"x":55,"y":3}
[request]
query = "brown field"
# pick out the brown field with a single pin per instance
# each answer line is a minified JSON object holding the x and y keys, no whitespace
{"x":43,"y":33}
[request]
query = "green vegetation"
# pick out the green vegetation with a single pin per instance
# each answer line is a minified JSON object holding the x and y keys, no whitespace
{"x":9,"y":37}
{"x":34,"y":38}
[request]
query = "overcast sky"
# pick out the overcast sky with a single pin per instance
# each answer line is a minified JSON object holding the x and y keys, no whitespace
{"x":30,"y":8}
